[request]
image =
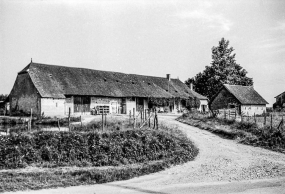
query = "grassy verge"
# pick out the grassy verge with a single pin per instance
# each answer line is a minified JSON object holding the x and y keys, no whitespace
{"x":245,"y":132}
{"x":60,"y":159}
{"x":51,"y":178}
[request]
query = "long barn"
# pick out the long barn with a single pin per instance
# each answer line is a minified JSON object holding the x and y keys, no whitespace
{"x":52,"y":90}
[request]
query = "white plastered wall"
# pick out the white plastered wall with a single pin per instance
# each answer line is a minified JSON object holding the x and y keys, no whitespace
{"x":52,"y":107}
{"x":250,"y":110}
{"x":203,"y":102}
{"x":130,"y":104}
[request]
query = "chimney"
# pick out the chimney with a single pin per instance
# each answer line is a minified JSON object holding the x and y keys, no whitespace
{"x":191,"y":86}
{"x":168,"y":77}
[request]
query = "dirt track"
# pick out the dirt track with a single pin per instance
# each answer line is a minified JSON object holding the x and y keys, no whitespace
{"x":222,"y":166}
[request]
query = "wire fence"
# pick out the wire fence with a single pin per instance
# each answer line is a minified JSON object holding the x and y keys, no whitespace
{"x":271,"y":119}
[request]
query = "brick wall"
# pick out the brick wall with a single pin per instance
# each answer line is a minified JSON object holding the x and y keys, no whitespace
{"x":223,"y":99}
{"x":24,"y":96}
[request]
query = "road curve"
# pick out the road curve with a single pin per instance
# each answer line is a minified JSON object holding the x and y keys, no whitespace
{"x":222,"y":166}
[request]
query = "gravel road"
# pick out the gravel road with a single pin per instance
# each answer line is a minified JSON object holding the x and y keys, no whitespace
{"x":222,"y":166}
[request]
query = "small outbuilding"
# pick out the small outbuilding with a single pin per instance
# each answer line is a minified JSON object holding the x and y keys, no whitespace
{"x":280,"y":101}
{"x":242,"y":98}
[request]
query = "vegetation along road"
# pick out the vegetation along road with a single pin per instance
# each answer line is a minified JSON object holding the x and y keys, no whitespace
{"x":222,"y":166}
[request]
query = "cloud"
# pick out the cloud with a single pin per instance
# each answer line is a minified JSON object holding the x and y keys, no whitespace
{"x":211,"y":20}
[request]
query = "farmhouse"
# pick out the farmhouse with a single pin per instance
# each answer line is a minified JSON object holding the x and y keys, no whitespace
{"x":54,"y":90}
{"x":243,"y":98}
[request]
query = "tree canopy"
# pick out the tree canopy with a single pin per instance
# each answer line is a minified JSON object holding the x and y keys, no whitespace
{"x":3,"y":97}
{"x":223,"y":70}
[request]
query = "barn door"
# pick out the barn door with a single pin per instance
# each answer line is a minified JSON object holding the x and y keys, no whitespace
{"x":82,"y":104}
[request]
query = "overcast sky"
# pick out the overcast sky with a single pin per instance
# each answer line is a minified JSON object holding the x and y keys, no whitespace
{"x":144,"y":37}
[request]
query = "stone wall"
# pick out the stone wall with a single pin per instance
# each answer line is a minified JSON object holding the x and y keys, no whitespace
{"x":24,"y":96}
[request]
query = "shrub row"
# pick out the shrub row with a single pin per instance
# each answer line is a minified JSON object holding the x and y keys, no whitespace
{"x":51,"y":149}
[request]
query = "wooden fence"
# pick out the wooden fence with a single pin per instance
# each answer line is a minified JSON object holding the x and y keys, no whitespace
{"x":272,"y":119}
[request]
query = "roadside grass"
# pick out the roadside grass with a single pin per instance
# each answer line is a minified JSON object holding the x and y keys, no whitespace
{"x":244,"y":132}
{"x":60,"y":159}
{"x":52,"y":178}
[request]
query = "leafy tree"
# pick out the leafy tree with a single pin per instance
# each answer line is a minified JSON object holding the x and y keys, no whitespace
{"x":223,"y":70}
{"x":3,"y":97}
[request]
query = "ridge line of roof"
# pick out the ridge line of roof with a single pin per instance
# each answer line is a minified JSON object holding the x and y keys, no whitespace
{"x":35,"y":63}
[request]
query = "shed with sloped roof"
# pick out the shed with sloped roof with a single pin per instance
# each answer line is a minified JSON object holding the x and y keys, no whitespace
{"x":244,"y":98}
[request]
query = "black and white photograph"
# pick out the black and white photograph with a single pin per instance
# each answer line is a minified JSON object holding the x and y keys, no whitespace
{"x":142,"y":96}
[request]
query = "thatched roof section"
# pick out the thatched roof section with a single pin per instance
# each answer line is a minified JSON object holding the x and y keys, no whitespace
{"x":245,"y":94}
{"x":59,"y":81}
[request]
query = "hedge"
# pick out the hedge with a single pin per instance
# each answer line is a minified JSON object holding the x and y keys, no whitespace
{"x":53,"y":149}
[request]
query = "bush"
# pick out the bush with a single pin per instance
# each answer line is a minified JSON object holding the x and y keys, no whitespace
{"x":95,"y":149}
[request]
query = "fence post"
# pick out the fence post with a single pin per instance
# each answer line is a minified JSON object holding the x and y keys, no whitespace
{"x":156,"y":118}
{"x":69,"y":118}
{"x":102,"y":119}
{"x":31,"y":119}
{"x":134,"y":118}
{"x":229,"y":114}
{"x":271,"y":122}
{"x":148,"y":118}
{"x":81,"y":121}
{"x":155,"y":121}
{"x":254,"y":118}
{"x":130,"y":117}
{"x":105,"y":119}
{"x":58,"y":124}
{"x":247,"y":117}
{"x":264,"y":118}
{"x":225,"y":114}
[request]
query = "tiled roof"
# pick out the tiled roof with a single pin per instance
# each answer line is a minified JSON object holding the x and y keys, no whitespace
{"x":59,"y":81}
{"x":245,"y":94}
